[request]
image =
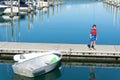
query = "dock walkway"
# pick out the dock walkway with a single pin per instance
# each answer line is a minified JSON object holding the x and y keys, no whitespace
{"x":66,"y":49}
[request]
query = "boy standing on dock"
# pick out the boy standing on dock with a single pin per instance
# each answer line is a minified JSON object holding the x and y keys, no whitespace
{"x":93,"y":37}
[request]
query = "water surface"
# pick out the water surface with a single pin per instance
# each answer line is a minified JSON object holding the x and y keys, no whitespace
{"x":67,"y":23}
{"x":69,"y":71}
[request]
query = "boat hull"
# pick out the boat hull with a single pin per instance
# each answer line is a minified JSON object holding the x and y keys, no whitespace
{"x":7,"y":11}
{"x":2,"y":9}
{"x":45,"y":69}
{"x":37,"y":66}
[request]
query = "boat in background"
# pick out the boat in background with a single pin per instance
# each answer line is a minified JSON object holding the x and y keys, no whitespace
{"x":24,"y":7}
{"x":36,"y":65}
{"x":2,"y":7}
{"x":5,"y":7}
{"x":7,"y":11}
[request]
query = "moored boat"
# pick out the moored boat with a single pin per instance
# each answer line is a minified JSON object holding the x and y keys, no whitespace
{"x":7,"y":7}
{"x":2,"y":8}
{"x":7,"y":11}
{"x":37,"y":65}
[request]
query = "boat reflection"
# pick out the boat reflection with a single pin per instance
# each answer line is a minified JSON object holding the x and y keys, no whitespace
{"x":6,"y":20}
{"x":115,"y":12}
{"x":3,"y":22}
{"x":53,"y":75}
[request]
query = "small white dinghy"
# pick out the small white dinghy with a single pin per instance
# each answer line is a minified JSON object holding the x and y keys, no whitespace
{"x":37,"y":65}
{"x":23,"y":57}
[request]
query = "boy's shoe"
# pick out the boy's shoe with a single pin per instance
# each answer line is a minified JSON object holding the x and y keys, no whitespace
{"x":91,"y":49}
{"x":94,"y":48}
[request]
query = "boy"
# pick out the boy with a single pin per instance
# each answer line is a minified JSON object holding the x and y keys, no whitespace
{"x":93,"y":37}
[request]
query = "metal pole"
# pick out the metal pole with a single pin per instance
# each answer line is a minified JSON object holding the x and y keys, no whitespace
{"x":53,"y":11}
{"x":53,"y":2}
{"x":12,"y":26}
{"x":57,"y":2}
{"x":57,"y":6}
{"x":28,"y":5}
{"x":33,"y":3}
{"x":32,"y":18}
{"x":48,"y":13}
{"x":19,"y":28}
{"x":11,"y":14}
{"x":48,"y":3}
{"x":18,"y":7}
{"x":28,"y":22}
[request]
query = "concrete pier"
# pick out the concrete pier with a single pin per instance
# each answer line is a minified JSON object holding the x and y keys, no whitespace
{"x":74,"y":50}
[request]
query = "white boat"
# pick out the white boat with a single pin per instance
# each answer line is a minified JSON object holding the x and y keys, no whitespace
{"x":15,"y":10}
{"x":23,"y":57}
{"x":42,"y":4}
{"x":8,"y":11}
{"x":37,"y":65}
{"x":24,"y":7}
{"x":2,"y":8}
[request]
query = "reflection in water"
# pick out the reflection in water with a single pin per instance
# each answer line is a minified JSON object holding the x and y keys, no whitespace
{"x":115,"y":17}
{"x":12,"y":28}
{"x":28,"y":22}
{"x":57,"y":8}
{"x":75,"y":18}
{"x":60,"y":7}
{"x":89,"y":64}
{"x":6,"y":35}
{"x":32,"y":14}
{"x":40,"y":16}
{"x":80,"y":71}
{"x":53,"y":11}
{"x":19,"y":28}
{"x":53,"y":75}
{"x":48,"y":13}
{"x":3,"y":22}
{"x":10,"y":32}
{"x":115,"y":11}
{"x":92,"y":75}
{"x":5,"y":71}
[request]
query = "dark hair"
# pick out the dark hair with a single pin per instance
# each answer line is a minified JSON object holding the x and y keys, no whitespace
{"x":94,"y":25}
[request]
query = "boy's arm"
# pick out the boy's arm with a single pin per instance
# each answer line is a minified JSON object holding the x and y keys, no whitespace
{"x":90,"y":35}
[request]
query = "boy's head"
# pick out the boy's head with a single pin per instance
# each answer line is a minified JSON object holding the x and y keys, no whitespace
{"x":94,"y":26}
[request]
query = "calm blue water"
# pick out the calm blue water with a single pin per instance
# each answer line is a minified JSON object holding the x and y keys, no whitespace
{"x":66,"y":73}
{"x":67,"y":23}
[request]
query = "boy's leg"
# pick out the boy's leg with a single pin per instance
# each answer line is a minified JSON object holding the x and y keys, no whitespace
{"x":91,"y":44}
{"x":94,"y":43}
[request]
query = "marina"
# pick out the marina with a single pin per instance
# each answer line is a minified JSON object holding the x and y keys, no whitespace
{"x":60,"y":26}
{"x":13,"y":8}
{"x":115,"y":3}
{"x":16,"y":42}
